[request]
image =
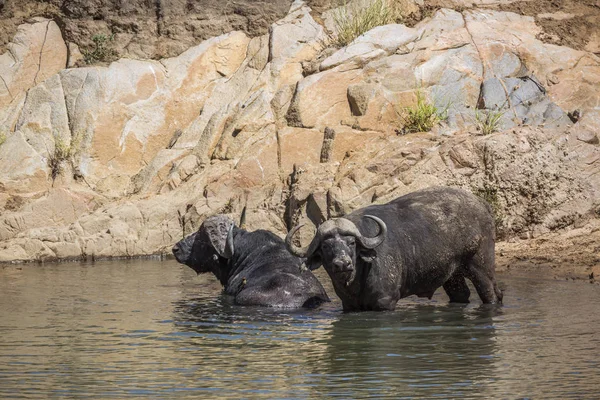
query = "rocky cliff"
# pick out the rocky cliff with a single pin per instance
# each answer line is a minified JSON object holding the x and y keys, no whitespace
{"x":126,"y":158}
{"x":143,"y":28}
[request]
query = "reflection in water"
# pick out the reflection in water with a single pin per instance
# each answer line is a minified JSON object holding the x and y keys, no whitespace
{"x":154,"y":329}
{"x":446,"y":350}
{"x":252,"y":351}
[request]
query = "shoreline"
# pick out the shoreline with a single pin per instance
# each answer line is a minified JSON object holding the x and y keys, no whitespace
{"x":119,"y":171}
{"x":513,"y":258}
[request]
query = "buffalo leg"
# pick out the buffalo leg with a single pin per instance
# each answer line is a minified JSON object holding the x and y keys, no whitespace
{"x":481,"y":273}
{"x":456,"y":288}
{"x":486,"y":287}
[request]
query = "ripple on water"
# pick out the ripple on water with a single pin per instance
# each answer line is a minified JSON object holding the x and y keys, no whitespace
{"x":154,"y":329}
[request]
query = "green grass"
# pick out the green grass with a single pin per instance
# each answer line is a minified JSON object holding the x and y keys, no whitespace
{"x":2,"y":136}
{"x":351,"y":21}
{"x":423,"y":116}
{"x":101,"y":51}
{"x":488,"y":121}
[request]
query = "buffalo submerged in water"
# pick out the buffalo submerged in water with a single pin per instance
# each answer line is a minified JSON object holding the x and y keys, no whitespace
{"x":410,"y":246}
{"x":254,"y":267}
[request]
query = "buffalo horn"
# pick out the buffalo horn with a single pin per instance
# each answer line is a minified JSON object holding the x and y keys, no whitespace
{"x":292,"y":248}
{"x":243,"y":218}
{"x":229,"y":249}
{"x":372,"y":242}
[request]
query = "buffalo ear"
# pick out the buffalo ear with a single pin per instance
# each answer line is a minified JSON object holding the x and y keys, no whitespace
{"x":217,"y":229}
{"x":367,"y":255}
{"x":313,"y":262}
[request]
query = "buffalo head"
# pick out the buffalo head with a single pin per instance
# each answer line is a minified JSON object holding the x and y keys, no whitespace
{"x":209,"y":248}
{"x":337,"y":245}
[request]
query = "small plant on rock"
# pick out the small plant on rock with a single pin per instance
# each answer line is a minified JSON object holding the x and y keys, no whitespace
{"x":62,"y":152}
{"x":488,"y":121}
{"x":351,"y":21}
{"x":228,"y":207}
{"x":423,"y":116}
{"x":489,"y":193}
{"x":101,"y":52}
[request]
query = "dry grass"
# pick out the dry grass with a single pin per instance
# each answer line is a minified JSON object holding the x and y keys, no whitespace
{"x":62,"y":152}
{"x":351,"y":21}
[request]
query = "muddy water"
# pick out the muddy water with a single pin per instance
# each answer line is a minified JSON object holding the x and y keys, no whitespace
{"x":151,"y":329}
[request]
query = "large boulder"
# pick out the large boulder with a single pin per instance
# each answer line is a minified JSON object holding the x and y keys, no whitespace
{"x":36,"y":52}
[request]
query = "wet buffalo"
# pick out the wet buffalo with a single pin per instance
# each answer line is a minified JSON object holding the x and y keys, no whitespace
{"x":254,"y":267}
{"x":409,"y":246}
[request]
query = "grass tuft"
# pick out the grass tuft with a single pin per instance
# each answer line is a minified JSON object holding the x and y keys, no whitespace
{"x":490,"y":195}
{"x":488,"y":121}
{"x":227,"y":208}
{"x":62,"y":153}
{"x":351,"y":21}
{"x":2,"y":136}
{"x":423,"y":116}
{"x":101,"y":52}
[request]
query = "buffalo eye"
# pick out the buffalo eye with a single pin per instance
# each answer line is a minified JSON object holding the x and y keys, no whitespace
{"x":350,"y":240}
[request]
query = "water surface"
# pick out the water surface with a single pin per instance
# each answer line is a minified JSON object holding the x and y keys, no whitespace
{"x":150,"y":328}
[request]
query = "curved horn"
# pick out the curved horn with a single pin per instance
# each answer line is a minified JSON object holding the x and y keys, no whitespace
{"x":243,"y":218}
{"x":229,"y":249}
{"x":292,"y":248}
{"x":372,"y":242}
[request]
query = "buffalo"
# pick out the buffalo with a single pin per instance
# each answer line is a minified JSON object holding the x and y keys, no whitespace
{"x":410,"y":246}
{"x":254,"y":267}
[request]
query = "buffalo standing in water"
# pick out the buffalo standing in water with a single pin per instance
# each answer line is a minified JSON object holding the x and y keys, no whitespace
{"x":409,"y":246}
{"x":254,"y":267}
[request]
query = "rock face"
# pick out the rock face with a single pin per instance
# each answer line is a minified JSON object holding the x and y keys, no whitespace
{"x":144,"y":29}
{"x":125,"y":159}
{"x":37,"y":52}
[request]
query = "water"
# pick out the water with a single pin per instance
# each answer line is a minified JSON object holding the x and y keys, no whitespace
{"x":153,"y":329}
